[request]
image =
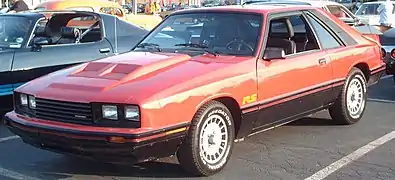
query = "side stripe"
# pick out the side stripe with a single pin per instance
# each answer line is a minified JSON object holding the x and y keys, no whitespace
{"x":278,"y":99}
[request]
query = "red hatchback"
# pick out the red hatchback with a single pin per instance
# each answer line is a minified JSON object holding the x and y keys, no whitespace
{"x":201,"y":80}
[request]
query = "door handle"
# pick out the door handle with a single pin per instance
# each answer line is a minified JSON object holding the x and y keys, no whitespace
{"x":104,"y":50}
{"x":322,"y":61}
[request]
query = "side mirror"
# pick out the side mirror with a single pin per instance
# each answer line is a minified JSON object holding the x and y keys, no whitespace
{"x":273,"y":53}
{"x":38,"y":42}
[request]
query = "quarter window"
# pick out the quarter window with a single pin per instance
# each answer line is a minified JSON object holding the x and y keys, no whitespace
{"x":325,"y":37}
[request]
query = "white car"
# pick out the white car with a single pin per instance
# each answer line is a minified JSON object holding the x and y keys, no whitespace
{"x":368,"y":14}
{"x":334,"y":8}
{"x":4,"y":10}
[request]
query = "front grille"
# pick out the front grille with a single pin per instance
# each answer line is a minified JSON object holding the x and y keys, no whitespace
{"x":70,"y":112}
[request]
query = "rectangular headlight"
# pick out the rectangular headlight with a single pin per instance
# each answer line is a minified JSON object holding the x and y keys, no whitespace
{"x":23,"y":99}
{"x":110,"y":112}
{"x":132,"y":113}
{"x":32,"y":102}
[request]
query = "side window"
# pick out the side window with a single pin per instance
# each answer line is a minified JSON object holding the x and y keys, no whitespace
{"x":338,"y":11}
{"x":292,"y":34}
{"x":325,"y":37}
{"x":112,"y":10}
{"x":80,"y":25}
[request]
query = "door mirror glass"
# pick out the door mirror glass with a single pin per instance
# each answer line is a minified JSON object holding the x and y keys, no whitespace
{"x":40,"y":41}
{"x":274,"y":53}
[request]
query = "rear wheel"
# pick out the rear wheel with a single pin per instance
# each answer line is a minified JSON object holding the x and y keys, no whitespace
{"x":350,"y":105}
{"x":209,"y":143}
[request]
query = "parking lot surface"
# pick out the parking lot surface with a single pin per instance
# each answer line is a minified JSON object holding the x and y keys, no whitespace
{"x":294,"y":151}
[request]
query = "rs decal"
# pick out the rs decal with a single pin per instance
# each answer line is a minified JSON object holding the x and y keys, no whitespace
{"x":249,"y":99}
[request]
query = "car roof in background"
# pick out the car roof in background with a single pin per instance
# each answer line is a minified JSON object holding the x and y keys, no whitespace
{"x":30,"y":15}
{"x":377,"y":2}
{"x":245,"y":8}
{"x":315,"y":3}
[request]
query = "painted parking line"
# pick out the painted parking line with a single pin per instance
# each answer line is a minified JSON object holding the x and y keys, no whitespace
{"x":352,"y":157}
{"x":15,"y":175}
{"x":386,"y":77}
{"x":381,"y":100}
{"x":8,"y":138}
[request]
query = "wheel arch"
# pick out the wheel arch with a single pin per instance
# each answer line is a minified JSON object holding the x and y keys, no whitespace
{"x":364,"y":67}
{"x":234,"y":107}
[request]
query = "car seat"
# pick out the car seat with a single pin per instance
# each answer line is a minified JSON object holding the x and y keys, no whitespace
{"x":282,"y":40}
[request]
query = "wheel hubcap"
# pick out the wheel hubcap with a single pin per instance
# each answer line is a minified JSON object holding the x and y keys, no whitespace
{"x":355,"y":98}
{"x":213,"y":139}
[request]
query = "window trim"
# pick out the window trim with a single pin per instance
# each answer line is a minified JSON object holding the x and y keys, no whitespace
{"x":102,"y":32}
{"x":326,"y":27}
{"x":272,"y":16}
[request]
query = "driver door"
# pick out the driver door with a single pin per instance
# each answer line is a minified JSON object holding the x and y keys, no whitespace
{"x":35,"y":61}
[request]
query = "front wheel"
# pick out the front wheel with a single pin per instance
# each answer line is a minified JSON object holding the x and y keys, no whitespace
{"x":350,"y":105}
{"x":209,"y":143}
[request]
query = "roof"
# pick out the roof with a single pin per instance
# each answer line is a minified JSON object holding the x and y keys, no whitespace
{"x":377,"y":2}
{"x":30,"y":15}
{"x":314,"y":3}
{"x":245,"y":8}
{"x":81,"y":3}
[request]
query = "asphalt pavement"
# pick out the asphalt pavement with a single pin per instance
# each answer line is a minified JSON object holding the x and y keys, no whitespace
{"x":312,"y":148}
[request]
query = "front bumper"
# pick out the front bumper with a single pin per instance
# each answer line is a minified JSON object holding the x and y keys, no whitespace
{"x":97,"y":145}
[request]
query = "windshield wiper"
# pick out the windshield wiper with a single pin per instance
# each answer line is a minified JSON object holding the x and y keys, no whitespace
{"x":198,"y":46}
{"x":153,"y":45}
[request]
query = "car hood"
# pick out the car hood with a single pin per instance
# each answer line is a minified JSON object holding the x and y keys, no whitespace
{"x":134,"y":77}
{"x":369,"y":19}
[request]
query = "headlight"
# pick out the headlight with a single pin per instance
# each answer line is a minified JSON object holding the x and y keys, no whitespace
{"x":32,"y":102}
{"x":23,"y":98}
{"x":132,"y":113}
{"x":110,"y":112}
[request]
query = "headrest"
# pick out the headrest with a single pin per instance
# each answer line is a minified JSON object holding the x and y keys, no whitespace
{"x":288,"y":25}
{"x":69,"y":32}
{"x":40,"y":31}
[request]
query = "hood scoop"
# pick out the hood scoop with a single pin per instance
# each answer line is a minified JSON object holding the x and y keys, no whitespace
{"x":128,"y":66}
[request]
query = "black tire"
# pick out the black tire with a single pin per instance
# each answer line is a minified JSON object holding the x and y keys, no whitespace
{"x":189,"y":153}
{"x":339,"y":111}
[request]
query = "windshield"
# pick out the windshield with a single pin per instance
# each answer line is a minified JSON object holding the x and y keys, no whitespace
{"x":343,"y":1}
{"x":14,"y":31}
{"x":218,"y":32}
{"x":369,"y":9}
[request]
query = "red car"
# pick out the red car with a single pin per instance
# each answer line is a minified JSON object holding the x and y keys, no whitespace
{"x":200,"y":81}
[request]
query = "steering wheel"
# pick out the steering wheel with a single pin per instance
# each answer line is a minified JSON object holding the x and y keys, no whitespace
{"x":89,"y":29}
{"x":240,"y":44}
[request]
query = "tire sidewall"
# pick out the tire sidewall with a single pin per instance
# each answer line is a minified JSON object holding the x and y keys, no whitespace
{"x":356,"y":74}
{"x":224,"y":113}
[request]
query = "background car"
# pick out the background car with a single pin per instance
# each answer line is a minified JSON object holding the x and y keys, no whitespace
{"x":36,"y":43}
{"x":368,"y":14}
{"x":104,"y":6}
{"x":387,"y":41}
{"x":334,"y":8}
{"x":4,"y":10}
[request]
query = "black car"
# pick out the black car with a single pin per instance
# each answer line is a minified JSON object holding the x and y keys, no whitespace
{"x":33,"y":44}
{"x":387,"y":41}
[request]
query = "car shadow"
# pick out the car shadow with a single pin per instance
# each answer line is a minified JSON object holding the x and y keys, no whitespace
{"x":383,"y":91}
{"x":313,"y":121}
{"x":77,"y":166}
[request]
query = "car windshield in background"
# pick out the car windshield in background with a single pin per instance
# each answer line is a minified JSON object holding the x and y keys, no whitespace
{"x":217,"y":32}
{"x":370,"y":9}
{"x":14,"y":31}
{"x":343,"y":1}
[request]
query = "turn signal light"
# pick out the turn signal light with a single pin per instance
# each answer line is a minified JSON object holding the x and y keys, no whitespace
{"x":393,"y":53}
{"x":115,"y":139}
{"x":383,"y":53}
